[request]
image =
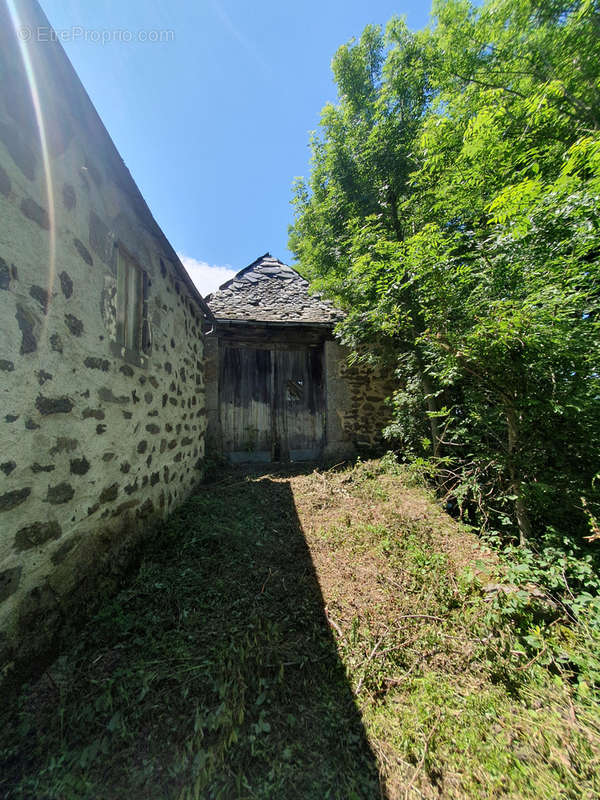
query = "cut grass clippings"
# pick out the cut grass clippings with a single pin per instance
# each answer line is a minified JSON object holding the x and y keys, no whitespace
{"x":317,"y":634}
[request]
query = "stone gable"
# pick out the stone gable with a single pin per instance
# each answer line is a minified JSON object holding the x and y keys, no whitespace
{"x":270,"y":291}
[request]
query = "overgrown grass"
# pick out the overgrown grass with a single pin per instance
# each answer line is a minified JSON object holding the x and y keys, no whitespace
{"x":470,"y":685}
{"x":320,"y":635}
{"x":212,"y":675}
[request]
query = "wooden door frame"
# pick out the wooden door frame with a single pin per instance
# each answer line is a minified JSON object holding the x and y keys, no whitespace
{"x":275,"y":337}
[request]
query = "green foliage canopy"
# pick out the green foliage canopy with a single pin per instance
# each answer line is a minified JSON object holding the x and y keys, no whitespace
{"x":453,"y":210}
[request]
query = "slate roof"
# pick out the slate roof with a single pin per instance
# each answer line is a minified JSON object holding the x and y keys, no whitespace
{"x":269,"y":291}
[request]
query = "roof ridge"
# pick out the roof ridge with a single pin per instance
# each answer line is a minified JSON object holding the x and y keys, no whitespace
{"x":255,"y":263}
{"x":270,"y":290}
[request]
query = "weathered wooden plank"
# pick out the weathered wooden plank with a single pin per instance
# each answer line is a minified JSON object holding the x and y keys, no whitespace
{"x":272,"y":402}
{"x":245,"y":400}
{"x":299,"y":408}
{"x":273,"y":337}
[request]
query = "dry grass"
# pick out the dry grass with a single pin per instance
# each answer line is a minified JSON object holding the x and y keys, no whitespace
{"x":419,"y":653}
{"x":306,"y":634}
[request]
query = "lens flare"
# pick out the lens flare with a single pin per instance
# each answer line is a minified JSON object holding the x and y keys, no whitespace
{"x":24,"y":47}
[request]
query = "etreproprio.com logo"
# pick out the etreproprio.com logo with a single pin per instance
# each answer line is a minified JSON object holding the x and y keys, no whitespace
{"x":94,"y":35}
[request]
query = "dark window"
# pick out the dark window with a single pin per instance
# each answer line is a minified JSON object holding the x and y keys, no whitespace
{"x":133,"y":330}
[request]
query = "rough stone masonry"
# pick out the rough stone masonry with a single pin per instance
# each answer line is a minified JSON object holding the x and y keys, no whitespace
{"x":101,"y":382}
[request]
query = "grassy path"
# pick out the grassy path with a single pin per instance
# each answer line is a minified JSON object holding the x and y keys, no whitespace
{"x":302,"y":635}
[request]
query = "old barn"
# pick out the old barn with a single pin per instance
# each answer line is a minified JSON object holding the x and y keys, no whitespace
{"x":278,"y":385}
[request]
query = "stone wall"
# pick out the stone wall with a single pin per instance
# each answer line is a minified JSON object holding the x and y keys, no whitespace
{"x":356,"y":407}
{"x":95,"y":442}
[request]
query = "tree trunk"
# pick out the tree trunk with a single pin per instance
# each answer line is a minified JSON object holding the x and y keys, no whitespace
{"x":516,"y":485}
{"x":432,"y":402}
{"x":393,"y":203}
{"x":432,"y":407}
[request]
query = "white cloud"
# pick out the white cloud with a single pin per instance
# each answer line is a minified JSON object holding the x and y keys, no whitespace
{"x":206,"y":277}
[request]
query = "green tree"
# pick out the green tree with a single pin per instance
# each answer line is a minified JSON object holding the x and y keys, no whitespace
{"x":453,"y":209}
{"x":351,"y":216}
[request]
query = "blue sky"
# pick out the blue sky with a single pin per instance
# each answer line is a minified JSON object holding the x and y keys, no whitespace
{"x":214,"y":122}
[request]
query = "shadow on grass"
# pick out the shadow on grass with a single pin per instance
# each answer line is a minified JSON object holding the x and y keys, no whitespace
{"x":213,"y":674}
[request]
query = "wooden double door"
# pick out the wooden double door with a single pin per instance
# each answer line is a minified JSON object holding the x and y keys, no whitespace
{"x":271,"y":402}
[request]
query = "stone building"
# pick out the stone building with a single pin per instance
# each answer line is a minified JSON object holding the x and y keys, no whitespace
{"x":102,"y":414}
{"x":278,"y":385}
